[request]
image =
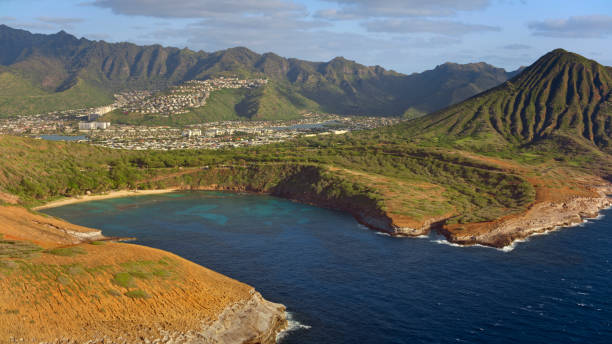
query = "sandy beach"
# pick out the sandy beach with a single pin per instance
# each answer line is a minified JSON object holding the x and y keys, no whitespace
{"x":111,"y":194}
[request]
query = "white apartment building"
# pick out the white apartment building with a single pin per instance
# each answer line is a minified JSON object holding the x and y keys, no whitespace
{"x":94,"y":125}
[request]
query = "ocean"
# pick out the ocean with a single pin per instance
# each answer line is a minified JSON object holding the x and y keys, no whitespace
{"x":343,"y":283}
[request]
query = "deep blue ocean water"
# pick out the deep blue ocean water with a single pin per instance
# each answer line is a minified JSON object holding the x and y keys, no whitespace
{"x":351,"y":285}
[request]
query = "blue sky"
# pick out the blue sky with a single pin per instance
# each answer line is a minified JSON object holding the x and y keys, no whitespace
{"x":404,"y":35}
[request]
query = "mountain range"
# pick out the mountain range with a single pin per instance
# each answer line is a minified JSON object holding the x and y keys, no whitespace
{"x":41,"y":73}
{"x":498,"y":158}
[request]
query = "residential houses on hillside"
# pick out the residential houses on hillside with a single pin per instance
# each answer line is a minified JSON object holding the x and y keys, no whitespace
{"x":179,"y":99}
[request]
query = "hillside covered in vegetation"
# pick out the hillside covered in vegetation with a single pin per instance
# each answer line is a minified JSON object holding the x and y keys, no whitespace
{"x":469,"y":164}
{"x":59,"y":72}
{"x":561,"y":102}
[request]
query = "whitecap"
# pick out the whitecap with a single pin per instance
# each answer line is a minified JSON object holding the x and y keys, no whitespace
{"x":383,"y":233}
{"x":548,"y":231}
{"x":446,"y":242}
{"x":506,"y":248}
{"x":596,"y":218}
{"x":362,"y":226}
{"x":509,"y":248}
{"x":292,"y":326}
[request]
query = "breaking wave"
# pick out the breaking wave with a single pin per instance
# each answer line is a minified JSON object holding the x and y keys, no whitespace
{"x":292,"y":326}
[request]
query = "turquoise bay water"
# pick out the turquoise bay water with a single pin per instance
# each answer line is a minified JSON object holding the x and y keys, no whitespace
{"x":352,"y":285}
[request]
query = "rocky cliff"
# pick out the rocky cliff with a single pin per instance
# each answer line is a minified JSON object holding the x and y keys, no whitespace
{"x":540,"y":218}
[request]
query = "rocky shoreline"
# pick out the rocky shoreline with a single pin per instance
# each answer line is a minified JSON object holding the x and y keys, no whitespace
{"x":543,"y":215}
{"x":251,"y":321}
{"x":540,"y":218}
{"x":254,"y":320}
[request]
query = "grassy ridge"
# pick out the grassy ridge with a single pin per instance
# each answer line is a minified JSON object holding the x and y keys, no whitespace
{"x":19,"y":96}
{"x":275,"y":102}
{"x":563,"y":100}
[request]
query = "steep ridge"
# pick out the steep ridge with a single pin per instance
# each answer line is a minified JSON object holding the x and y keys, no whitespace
{"x":55,"y":64}
{"x":563,"y":98}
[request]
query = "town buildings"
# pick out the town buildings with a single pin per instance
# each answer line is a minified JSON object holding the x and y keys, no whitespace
{"x":93,"y":125}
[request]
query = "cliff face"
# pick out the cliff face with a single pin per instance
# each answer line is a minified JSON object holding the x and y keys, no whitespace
{"x":251,"y":321}
{"x":540,"y":218}
{"x":427,"y":226}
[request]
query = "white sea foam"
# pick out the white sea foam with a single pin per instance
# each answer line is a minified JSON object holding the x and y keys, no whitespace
{"x":512,"y":246}
{"x":548,"y":231}
{"x":446,"y":242}
{"x":292,"y":325}
{"x":363,"y":226}
{"x":436,"y":238}
{"x":506,"y":248}
{"x":597,"y":218}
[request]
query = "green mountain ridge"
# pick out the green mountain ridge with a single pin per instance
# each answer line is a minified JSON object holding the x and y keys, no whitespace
{"x":562,"y":99}
{"x":54,"y":64}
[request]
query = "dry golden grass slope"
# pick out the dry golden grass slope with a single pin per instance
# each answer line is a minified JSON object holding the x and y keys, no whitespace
{"x":53,"y":288}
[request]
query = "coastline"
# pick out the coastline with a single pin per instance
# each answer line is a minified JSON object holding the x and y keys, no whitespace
{"x":97,"y":197}
{"x":502,"y":234}
{"x":541,"y":218}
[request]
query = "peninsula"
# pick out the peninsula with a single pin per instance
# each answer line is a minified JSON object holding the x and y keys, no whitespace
{"x":67,"y":283}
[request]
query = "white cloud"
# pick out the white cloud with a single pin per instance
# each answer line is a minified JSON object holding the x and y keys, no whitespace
{"x":443,"y":27}
{"x":593,"y":26}
{"x":351,"y":9}
{"x":516,"y":46}
{"x":59,"y":20}
{"x":197,"y":8}
{"x":280,"y":37}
